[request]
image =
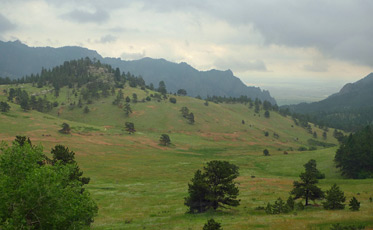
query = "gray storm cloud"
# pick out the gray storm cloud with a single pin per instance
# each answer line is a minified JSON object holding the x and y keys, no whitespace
{"x":340,"y":29}
{"x":5,"y":24}
{"x":80,"y":16}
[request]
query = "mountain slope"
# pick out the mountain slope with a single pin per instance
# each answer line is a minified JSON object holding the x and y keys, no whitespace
{"x":17,"y":60}
{"x":350,"y":108}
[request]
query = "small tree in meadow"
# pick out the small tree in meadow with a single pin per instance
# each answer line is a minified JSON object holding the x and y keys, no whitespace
{"x":306,"y":188}
{"x":354,"y":204}
{"x":130,"y":127}
{"x":213,"y":188}
{"x":165,"y":140}
{"x":212,"y":225}
{"x":65,"y":128}
{"x":191,"y":118}
{"x":266,"y":152}
{"x":334,"y":198}
{"x":127,"y":109}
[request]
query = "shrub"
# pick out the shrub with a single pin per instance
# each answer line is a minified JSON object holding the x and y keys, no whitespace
{"x":172,"y":100}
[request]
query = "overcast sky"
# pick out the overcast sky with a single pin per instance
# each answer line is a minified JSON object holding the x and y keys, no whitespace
{"x":263,"y":42}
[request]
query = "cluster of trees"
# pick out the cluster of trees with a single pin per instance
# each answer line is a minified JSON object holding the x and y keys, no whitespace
{"x":355,"y":155}
{"x":42,"y":193}
{"x":348,"y":119}
{"x":308,"y":190}
{"x":26,"y":102}
{"x":187,"y":115}
{"x":281,"y":207}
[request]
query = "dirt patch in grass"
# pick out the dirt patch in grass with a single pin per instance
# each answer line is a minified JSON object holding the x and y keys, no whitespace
{"x":151,"y":106}
{"x":143,"y":142}
{"x":138,"y":113}
{"x":259,"y":183}
{"x":221,"y":136}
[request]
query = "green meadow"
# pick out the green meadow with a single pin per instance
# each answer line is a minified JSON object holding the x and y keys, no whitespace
{"x":139,"y":184}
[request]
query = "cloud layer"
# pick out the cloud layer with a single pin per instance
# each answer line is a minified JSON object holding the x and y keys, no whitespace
{"x":263,"y":39}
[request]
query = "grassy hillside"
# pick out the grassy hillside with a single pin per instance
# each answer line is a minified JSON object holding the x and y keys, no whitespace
{"x":139,"y":184}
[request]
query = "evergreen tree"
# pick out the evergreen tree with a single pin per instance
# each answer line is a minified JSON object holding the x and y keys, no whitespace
{"x":128,"y":99}
{"x":62,"y":154}
{"x":191,"y":118}
{"x":354,"y":204}
{"x":162,"y":88}
{"x":355,"y":154}
{"x":198,"y":191}
{"x":127,"y":109}
{"x":212,"y":225}
{"x":307,"y":188}
{"x":134,"y":98}
{"x":130,"y":127}
{"x":310,"y":167}
{"x":65,"y":128}
{"x":165,"y":140}
{"x":4,"y":107}
{"x":290,"y":203}
{"x":213,"y":188}
{"x":184,"y":111}
{"x":266,"y":114}
{"x":266,"y":152}
{"x":334,"y":198}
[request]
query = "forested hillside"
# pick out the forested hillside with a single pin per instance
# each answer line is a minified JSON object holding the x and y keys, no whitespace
{"x":350,"y":109}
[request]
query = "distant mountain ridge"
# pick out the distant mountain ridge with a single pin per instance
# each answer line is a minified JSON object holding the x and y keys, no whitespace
{"x":17,"y":60}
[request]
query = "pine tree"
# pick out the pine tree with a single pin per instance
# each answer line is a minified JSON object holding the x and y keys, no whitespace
{"x":127,"y":109}
{"x":191,"y":118}
{"x":165,"y":140}
{"x":307,"y":188}
{"x":212,"y":225}
{"x":310,"y":167}
{"x":65,"y":128}
{"x":213,"y":188}
{"x":334,"y":198}
{"x":4,"y":107}
{"x":354,"y":204}
{"x":130,"y":127}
